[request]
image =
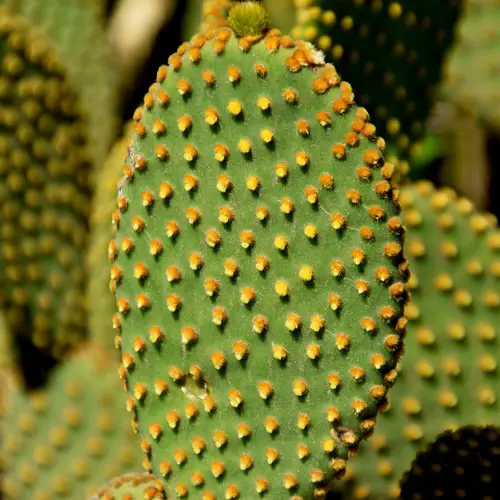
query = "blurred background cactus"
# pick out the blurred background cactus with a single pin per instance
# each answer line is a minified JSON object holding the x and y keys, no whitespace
{"x":90,"y":95}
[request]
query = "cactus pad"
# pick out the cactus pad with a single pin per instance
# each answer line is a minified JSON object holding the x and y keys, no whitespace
{"x":449,"y":376}
{"x":131,"y":487}
{"x":473,"y":72}
{"x":460,"y":464}
{"x":65,"y":441}
{"x":103,"y":204}
{"x":400,"y":44}
{"x":44,"y":192}
{"x":76,"y":31}
{"x":258,"y":270}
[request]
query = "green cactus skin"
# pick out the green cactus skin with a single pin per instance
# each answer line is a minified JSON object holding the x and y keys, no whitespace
{"x":132,"y":486}
{"x":259,"y":274}
{"x":400,"y":43}
{"x":66,"y":440}
{"x":44,"y":192}
{"x":449,"y":375}
{"x":77,"y":32}
{"x":472,"y":76}
{"x":103,"y":205}
{"x":460,"y":464}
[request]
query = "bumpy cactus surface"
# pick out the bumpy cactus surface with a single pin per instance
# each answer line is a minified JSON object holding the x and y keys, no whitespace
{"x":131,"y":486}
{"x":64,"y":442}
{"x":76,"y":31}
{"x":459,"y":464}
{"x":473,"y":72}
{"x":397,"y":46}
{"x":44,"y":192}
{"x":449,"y":375}
{"x":103,"y":205}
{"x":258,"y":270}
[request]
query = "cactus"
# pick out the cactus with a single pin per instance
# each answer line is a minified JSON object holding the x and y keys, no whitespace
{"x":400,"y":44}
{"x":68,"y":439}
{"x":131,"y":486}
{"x":460,"y":464}
{"x":258,"y":268}
{"x":449,"y":375}
{"x":100,"y":325}
{"x":215,"y":13}
{"x":472,"y":79}
{"x":73,"y":27}
{"x":44,"y":193}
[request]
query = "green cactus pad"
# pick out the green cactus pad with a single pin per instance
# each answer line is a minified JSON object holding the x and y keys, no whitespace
{"x":131,"y":486}
{"x":77,"y":32}
{"x":103,"y":205}
{"x":460,"y":464}
{"x":44,"y":191}
{"x":65,"y":441}
{"x":259,"y":274}
{"x":449,"y":375}
{"x":473,"y":75}
{"x":401,"y":44}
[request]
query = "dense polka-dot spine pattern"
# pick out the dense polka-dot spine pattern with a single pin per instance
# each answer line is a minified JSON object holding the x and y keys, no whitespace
{"x":449,"y":372}
{"x":44,"y":192}
{"x":401,"y":44}
{"x":258,"y":270}
{"x":77,"y":32}
{"x":132,"y":486}
{"x":103,"y":204}
{"x":473,"y":72}
{"x":459,"y":464}
{"x":63,"y":442}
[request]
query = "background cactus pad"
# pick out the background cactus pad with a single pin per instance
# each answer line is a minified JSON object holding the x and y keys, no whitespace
{"x":458,"y":464}
{"x":449,"y":375}
{"x":65,"y":441}
{"x":44,"y":191}
{"x":400,"y":45}
{"x":131,"y":486}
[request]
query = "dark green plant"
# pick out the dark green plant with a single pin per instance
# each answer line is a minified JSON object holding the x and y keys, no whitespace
{"x":459,"y":464}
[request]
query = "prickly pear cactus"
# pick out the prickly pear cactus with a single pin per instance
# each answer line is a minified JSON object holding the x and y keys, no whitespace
{"x":66,"y":440}
{"x":214,"y":14}
{"x":75,"y":29}
{"x":103,"y":205}
{"x":473,"y":76}
{"x":449,"y":375}
{"x":131,"y":486}
{"x":459,"y":464}
{"x":401,"y":44}
{"x":44,"y":191}
{"x":258,"y":270}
